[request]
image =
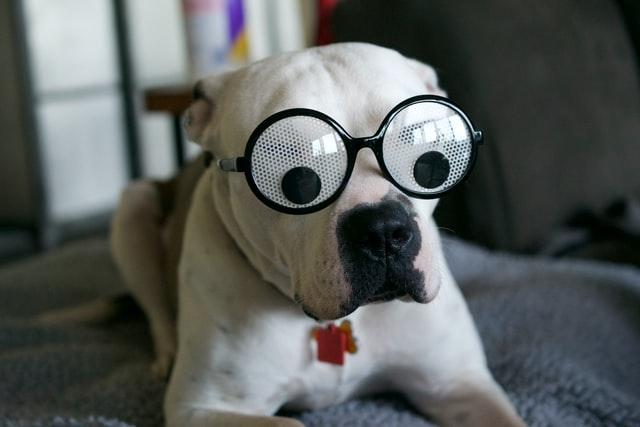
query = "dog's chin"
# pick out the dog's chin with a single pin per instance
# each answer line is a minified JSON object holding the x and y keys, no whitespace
{"x":416,"y":291}
{"x":352,"y":305}
{"x":344,"y":309}
{"x":385,"y":295}
{"x":320,"y":316}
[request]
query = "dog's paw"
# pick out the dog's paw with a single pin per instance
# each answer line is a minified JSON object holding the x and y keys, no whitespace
{"x":285,"y":422}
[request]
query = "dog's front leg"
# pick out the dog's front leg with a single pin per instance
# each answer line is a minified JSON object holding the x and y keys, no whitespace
{"x":230,"y":383}
{"x":478,"y":402}
{"x":236,"y":369}
{"x":230,"y":371}
{"x":449,"y":380}
{"x":211,"y":418}
{"x":238,"y":355}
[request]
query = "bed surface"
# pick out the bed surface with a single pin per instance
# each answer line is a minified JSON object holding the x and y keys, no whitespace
{"x":562,"y":337}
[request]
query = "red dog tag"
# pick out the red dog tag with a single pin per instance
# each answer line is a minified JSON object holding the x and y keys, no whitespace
{"x":334,"y":341}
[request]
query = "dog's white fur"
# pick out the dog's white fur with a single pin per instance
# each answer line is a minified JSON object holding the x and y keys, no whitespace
{"x":244,"y":345}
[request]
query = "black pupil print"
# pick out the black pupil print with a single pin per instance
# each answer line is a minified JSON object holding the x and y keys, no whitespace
{"x":431,"y":169}
{"x":301,"y":185}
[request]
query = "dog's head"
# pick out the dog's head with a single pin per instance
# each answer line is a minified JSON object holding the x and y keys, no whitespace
{"x":373,"y":244}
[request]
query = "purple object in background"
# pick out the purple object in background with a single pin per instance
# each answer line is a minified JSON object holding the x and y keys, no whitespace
{"x":216,"y":33}
{"x":236,"y":18}
{"x":238,"y":50}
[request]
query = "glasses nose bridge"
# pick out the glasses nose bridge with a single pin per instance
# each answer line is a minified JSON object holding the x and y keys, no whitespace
{"x":374,"y":143}
{"x":366,"y":142}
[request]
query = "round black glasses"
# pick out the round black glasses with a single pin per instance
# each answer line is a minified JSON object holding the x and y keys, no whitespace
{"x":298,"y":161}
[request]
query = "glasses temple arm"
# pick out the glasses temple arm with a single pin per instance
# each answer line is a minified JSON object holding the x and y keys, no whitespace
{"x":236,"y":164}
{"x":478,"y":137}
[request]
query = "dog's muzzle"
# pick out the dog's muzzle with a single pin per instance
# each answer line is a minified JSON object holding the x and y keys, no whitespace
{"x":378,"y":244}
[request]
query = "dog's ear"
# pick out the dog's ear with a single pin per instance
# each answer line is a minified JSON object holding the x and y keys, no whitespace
{"x":428,"y":76}
{"x":200,"y":113}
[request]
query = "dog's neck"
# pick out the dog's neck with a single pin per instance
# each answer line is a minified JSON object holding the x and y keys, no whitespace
{"x":262,"y":263}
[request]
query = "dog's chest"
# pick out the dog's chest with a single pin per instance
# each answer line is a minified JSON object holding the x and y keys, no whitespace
{"x":382,"y":351}
{"x":320,"y":384}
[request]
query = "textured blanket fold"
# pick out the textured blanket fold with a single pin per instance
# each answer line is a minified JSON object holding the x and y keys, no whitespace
{"x":562,"y":337}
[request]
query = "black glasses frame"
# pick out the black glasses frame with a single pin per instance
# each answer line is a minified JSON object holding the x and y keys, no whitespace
{"x":352,"y":146}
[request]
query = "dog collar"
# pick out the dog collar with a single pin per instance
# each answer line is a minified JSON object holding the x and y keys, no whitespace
{"x":334,"y":341}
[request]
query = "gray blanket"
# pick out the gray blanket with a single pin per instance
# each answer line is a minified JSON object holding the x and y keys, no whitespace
{"x":563,"y":338}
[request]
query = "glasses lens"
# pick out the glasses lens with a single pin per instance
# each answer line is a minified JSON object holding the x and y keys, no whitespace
{"x":298,"y":162}
{"x":427,"y":147}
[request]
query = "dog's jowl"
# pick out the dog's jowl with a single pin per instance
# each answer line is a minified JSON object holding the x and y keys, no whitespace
{"x":301,"y":266}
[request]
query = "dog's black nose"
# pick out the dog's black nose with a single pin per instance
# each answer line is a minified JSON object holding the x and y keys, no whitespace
{"x":380,"y":230}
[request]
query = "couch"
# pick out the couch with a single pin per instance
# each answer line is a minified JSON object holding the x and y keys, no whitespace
{"x":554,"y":84}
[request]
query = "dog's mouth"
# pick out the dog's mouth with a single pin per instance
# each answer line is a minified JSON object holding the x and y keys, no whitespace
{"x":389,"y":290}
{"x":385,"y":294}
{"x":406,"y":290}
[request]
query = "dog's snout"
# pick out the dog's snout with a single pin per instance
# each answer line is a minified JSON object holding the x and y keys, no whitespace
{"x":378,"y":245}
{"x":379,"y":231}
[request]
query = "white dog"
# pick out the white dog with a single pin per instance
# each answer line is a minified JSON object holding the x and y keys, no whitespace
{"x":256,"y":285}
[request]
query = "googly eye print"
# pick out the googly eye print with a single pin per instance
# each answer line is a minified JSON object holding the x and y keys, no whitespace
{"x":427,"y":148}
{"x":298,"y":161}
